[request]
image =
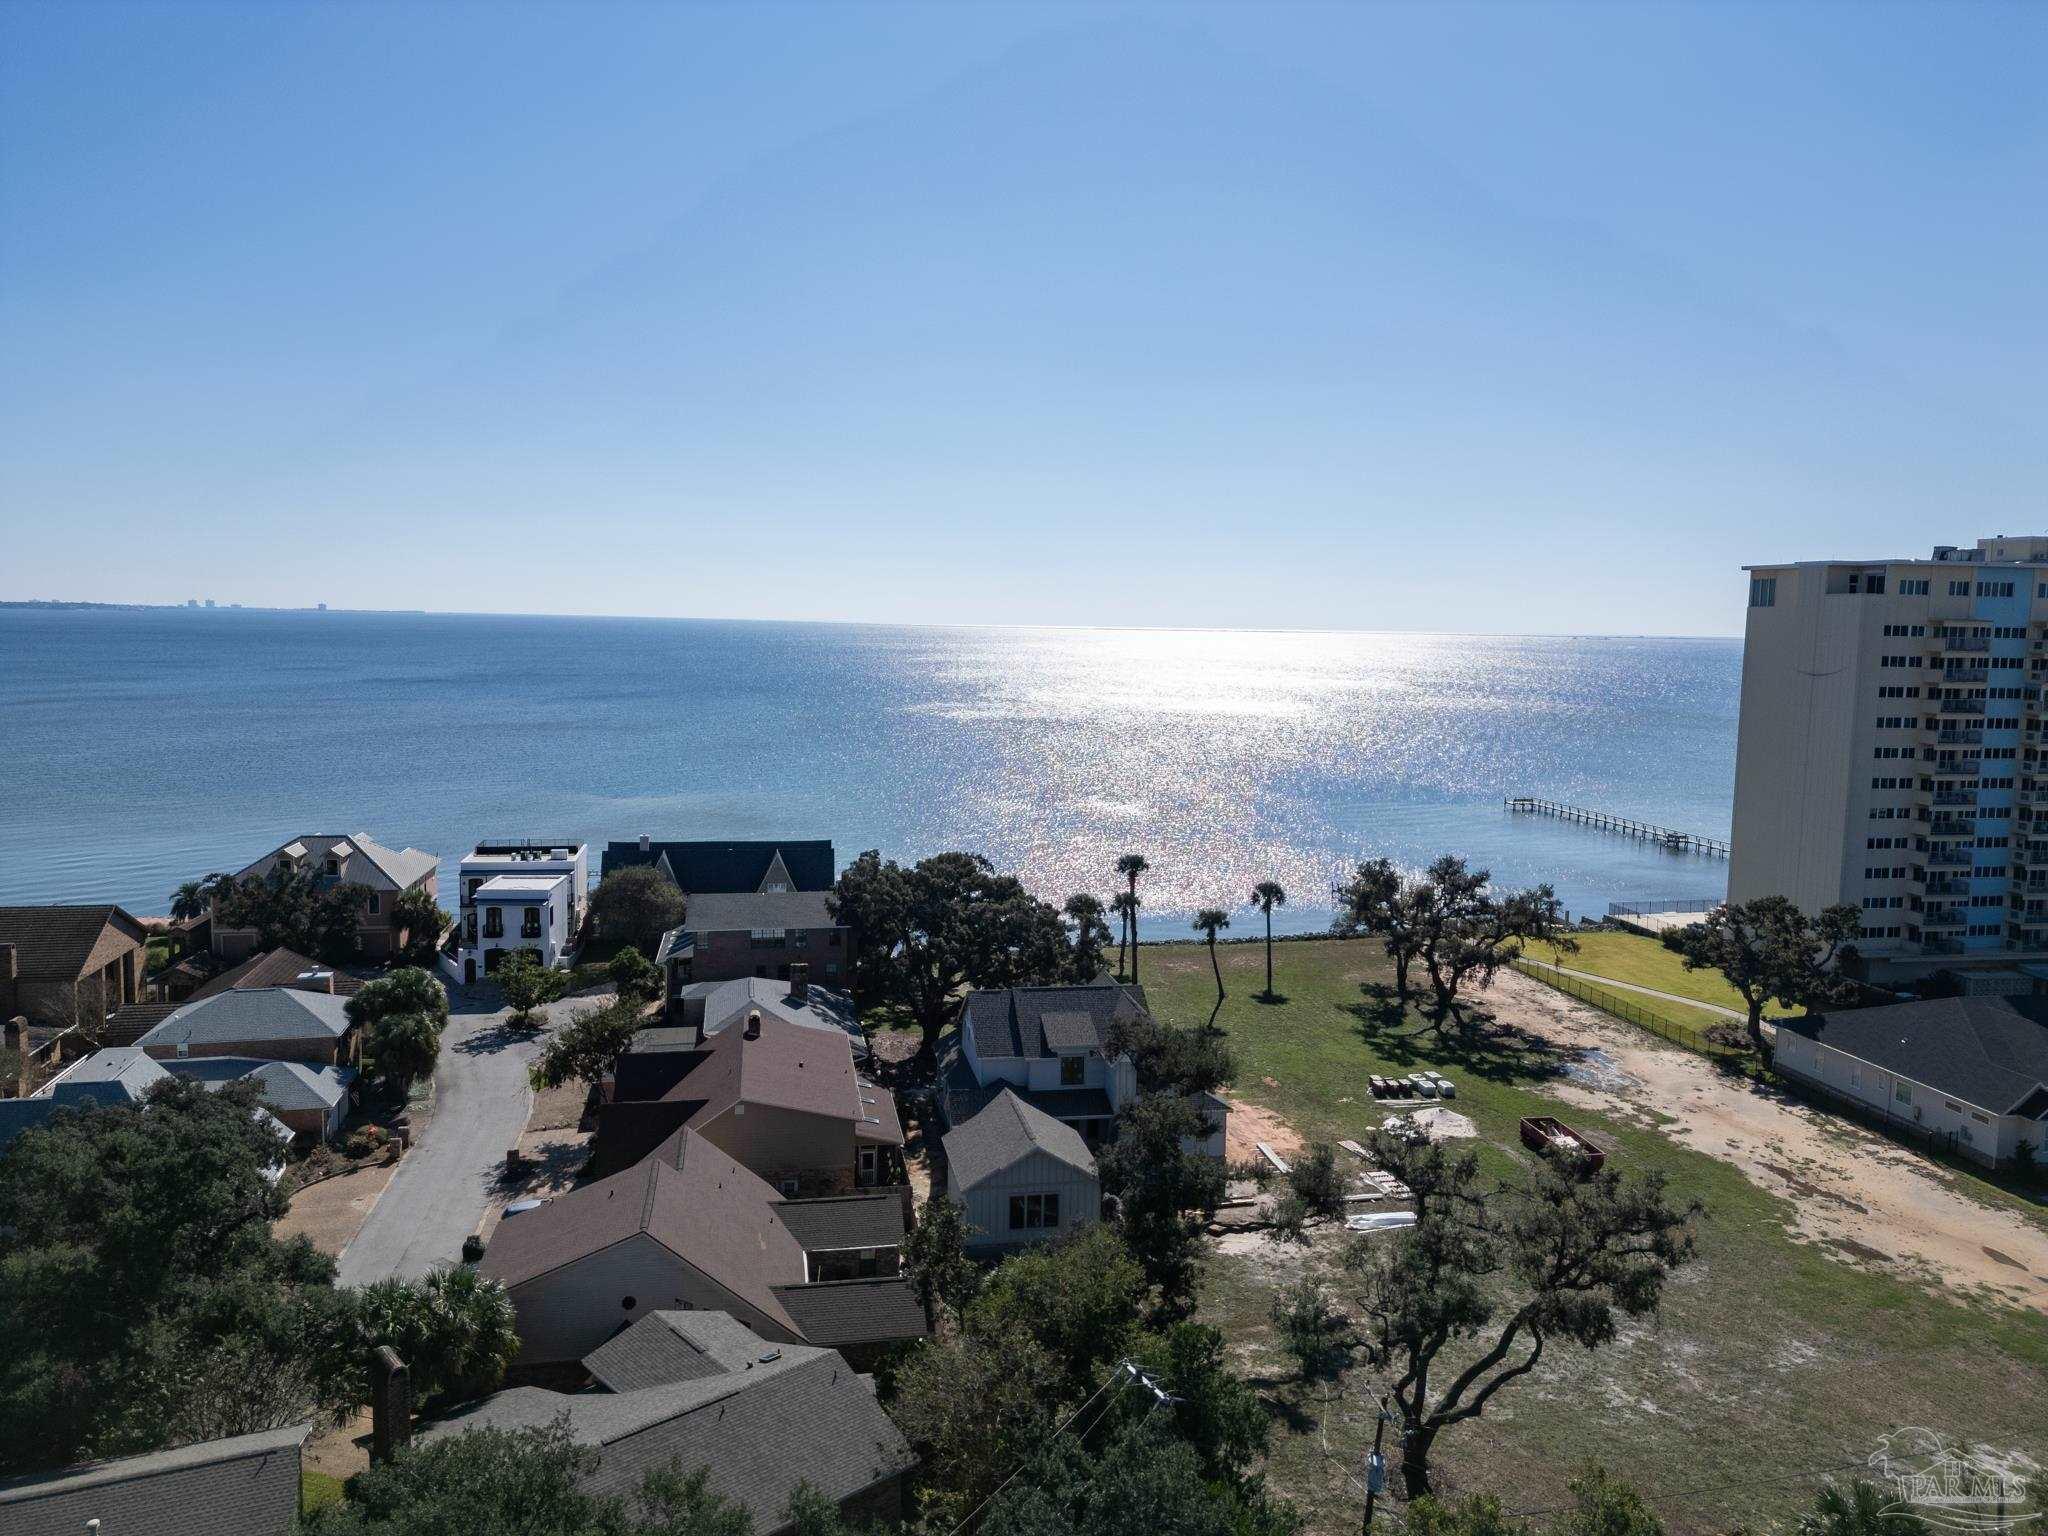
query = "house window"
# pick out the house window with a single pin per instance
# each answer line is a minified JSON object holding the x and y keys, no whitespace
{"x":1903,"y":1094}
{"x":376,"y":903}
{"x":1034,"y":1212}
{"x":529,"y":923}
{"x":788,"y":1188}
{"x":494,"y":922}
{"x":1073,"y":1071}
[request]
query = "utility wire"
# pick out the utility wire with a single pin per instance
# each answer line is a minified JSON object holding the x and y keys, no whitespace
{"x":1121,"y":1377}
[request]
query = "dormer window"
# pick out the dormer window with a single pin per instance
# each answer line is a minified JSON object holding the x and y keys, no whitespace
{"x":334,"y":866}
{"x":1073,"y":1071}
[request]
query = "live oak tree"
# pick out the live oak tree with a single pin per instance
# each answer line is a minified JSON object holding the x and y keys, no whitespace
{"x":1137,"y":1480}
{"x":951,"y":921}
{"x":1375,"y":901}
{"x":1090,"y":938}
{"x":637,"y":906}
{"x":1267,"y":895}
{"x":935,"y":1258}
{"x":288,"y":907}
{"x":1451,"y":919}
{"x":1166,"y":1192}
{"x":1770,"y":951}
{"x":588,"y":1047}
{"x":141,"y":1290}
{"x":1563,"y":1257}
{"x":636,"y":977}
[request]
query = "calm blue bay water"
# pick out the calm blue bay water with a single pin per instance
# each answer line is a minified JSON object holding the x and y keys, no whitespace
{"x":138,"y":749}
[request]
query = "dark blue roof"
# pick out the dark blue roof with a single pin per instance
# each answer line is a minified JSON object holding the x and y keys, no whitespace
{"x":728,"y":866}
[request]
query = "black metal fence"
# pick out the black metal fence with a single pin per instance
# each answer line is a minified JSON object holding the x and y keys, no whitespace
{"x":1639,"y":1011}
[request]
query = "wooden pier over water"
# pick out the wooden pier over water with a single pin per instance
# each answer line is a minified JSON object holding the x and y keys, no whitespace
{"x":1677,"y":842}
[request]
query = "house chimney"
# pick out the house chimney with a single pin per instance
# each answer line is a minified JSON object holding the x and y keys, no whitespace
{"x":646,"y":843}
{"x":10,"y":968}
{"x":753,"y":1029}
{"x":799,"y":980}
{"x":16,"y":1040}
{"x":390,"y":1404}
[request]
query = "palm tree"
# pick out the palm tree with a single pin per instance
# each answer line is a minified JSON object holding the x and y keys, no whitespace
{"x":1208,"y":921}
{"x":1267,"y":895}
{"x":188,"y":903}
{"x":1861,"y":1509}
{"x":1125,"y":906}
{"x":1130,"y":866}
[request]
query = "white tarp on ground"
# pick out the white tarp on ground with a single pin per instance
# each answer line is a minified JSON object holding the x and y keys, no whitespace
{"x":1436,"y":1123}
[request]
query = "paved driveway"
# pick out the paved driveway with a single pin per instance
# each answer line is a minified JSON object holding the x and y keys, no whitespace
{"x":481,"y":1102}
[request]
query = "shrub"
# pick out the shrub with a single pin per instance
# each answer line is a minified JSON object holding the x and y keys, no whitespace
{"x":1316,"y":1183}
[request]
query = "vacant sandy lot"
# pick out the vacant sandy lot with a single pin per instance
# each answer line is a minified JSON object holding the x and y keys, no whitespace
{"x":1248,"y":1125}
{"x":1868,"y":1198}
{"x":331,"y":1213}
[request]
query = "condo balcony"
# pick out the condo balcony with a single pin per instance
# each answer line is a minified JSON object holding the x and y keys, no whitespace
{"x":1955,"y":797}
{"x":1962,"y":706}
{"x":1953,"y":642}
{"x":1951,"y":858}
{"x":1934,"y":885}
{"x":1953,"y":917}
{"x":1942,"y":947}
{"x":1953,"y":767}
{"x":1966,"y":674}
{"x":1959,"y":737}
{"x":1945,"y":828}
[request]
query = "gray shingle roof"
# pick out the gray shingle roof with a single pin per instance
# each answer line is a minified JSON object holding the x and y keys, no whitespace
{"x":804,"y":1417}
{"x":1003,"y":1134}
{"x":247,"y":1486}
{"x":727,"y":1003}
{"x":119,"y":1072}
{"x":836,"y":1312}
{"x":845,"y":1221}
{"x":1989,"y":1051}
{"x":280,"y":1084}
{"x":742,"y":911}
{"x":54,"y":943}
{"x":253,"y":1013}
{"x":1019,"y":1021}
{"x":666,"y":1347}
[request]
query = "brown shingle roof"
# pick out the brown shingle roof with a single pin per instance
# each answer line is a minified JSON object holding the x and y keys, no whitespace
{"x":275,"y":968}
{"x":55,"y":943}
{"x":690,"y":1198}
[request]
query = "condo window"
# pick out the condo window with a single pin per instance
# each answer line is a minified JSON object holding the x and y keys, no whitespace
{"x":1763,"y":591}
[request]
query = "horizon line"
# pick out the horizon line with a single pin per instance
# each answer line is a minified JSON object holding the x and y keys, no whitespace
{"x":88,"y":605}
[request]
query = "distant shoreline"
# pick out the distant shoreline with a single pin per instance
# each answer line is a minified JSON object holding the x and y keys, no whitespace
{"x":58,"y":605}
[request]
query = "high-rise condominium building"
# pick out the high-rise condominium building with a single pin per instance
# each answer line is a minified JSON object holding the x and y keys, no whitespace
{"x":1893,"y":755}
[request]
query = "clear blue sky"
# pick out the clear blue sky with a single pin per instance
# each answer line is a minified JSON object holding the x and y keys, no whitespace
{"x":1504,"y":317}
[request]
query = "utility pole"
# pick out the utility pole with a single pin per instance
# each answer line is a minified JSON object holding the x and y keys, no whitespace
{"x":1376,"y":1467}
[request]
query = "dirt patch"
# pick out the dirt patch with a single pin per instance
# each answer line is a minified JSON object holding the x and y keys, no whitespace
{"x":559,"y":1109}
{"x":330,"y":1214}
{"x":1853,"y":1190}
{"x":340,"y":1451}
{"x":1250,"y":1124}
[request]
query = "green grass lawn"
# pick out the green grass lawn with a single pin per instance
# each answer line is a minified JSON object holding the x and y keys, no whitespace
{"x":1645,"y":962}
{"x":1772,"y":1363}
{"x":317,"y":1490}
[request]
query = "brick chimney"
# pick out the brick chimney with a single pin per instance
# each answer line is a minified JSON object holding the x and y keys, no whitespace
{"x":799,"y":980}
{"x":390,"y":1404}
{"x":16,"y":1040}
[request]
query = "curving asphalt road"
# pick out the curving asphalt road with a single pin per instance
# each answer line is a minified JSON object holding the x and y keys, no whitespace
{"x":481,"y":1104}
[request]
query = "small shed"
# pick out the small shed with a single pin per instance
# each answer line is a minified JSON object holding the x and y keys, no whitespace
{"x":1022,"y":1176}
